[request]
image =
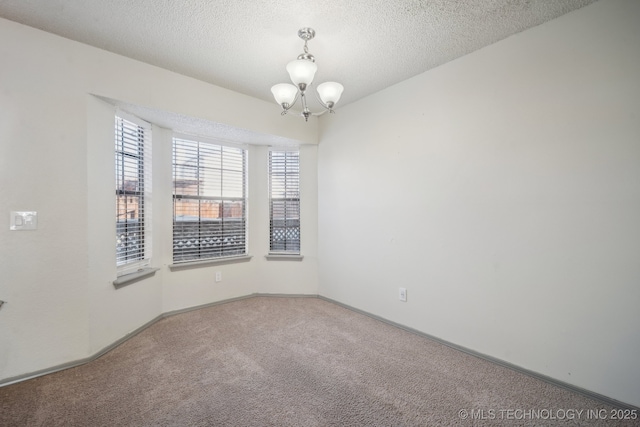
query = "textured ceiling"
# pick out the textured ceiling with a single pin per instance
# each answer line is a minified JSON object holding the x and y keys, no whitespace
{"x":244,"y":45}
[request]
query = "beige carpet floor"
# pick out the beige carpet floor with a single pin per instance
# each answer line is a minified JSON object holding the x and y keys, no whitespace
{"x":268,"y":361}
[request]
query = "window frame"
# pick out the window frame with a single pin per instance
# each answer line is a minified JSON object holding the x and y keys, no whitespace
{"x":128,"y":129}
{"x":227,"y":205}
{"x":290,"y":198}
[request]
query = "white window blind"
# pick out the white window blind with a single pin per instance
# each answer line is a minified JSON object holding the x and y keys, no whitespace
{"x":209,"y":201}
{"x":133,"y":190}
{"x":284,"y":201}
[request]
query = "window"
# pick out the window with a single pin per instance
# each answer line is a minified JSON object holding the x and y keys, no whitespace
{"x":209,"y":201}
{"x":133,"y":193}
{"x":284,"y":202}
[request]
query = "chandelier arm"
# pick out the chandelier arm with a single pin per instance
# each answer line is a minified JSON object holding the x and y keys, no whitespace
{"x":286,"y":109}
{"x":305,"y":107}
{"x":326,"y":107}
{"x":311,"y":113}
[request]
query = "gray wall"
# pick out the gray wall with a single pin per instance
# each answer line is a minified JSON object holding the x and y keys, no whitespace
{"x":503,"y":191}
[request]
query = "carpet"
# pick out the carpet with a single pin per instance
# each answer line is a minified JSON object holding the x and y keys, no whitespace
{"x":271,"y":361}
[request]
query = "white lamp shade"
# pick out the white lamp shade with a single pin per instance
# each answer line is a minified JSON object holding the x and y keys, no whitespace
{"x":302,"y":71}
{"x":330,"y":92}
{"x":284,"y":93}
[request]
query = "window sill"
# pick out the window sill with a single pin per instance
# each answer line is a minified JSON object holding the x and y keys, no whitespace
{"x":284,"y":257}
{"x":209,"y":262}
{"x":130,"y":278}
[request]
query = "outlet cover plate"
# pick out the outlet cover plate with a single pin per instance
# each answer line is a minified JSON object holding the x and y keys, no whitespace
{"x":23,"y":220}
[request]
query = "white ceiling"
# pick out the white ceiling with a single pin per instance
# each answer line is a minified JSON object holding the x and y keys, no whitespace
{"x":244,"y":45}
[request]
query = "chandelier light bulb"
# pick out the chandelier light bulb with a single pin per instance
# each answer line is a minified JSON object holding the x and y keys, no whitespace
{"x":284,"y":93}
{"x":302,"y":71}
{"x":330,"y":93}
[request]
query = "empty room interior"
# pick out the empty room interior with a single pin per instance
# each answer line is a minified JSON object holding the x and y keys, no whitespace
{"x":477,"y":184}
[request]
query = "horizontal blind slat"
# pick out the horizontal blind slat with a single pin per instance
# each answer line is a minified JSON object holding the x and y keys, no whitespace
{"x":209,"y":200}
{"x":284,"y":201}
{"x":133,"y":187}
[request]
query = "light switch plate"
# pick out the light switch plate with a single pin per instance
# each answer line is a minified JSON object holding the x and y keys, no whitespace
{"x":23,"y":220}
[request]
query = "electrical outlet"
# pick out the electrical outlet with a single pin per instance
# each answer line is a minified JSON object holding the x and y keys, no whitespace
{"x":218,"y":276}
{"x":402,"y":294}
{"x":24,"y":221}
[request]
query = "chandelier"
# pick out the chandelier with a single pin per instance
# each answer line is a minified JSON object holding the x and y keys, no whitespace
{"x":301,"y":71}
